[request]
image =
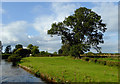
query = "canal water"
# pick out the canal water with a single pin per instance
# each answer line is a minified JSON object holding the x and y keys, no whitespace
{"x":9,"y":73}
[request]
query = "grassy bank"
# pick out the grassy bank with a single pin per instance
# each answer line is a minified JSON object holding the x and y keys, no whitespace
{"x":70,"y":70}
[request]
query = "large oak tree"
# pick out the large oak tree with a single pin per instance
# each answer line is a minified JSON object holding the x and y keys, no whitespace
{"x":81,"y":31}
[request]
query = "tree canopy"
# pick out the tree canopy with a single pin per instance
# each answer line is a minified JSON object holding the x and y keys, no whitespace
{"x":30,"y":46}
{"x":8,"y":49}
{"x":82,"y":31}
{"x":35,"y":50}
{"x":17,"y":47}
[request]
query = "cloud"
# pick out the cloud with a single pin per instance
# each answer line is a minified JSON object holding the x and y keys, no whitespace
{"x":1,"y":10}
{"x":109,"y":14}
{"x":14,"y":32}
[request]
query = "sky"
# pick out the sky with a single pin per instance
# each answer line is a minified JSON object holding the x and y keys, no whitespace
{"x":27,"y":23}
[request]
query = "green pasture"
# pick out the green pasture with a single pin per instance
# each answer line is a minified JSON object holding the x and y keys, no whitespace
{"x":68,"y":69}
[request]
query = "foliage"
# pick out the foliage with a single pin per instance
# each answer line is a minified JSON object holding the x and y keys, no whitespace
{"x":35,"y":50}
{"x":1,"y":47}
{"x":75,"y":50}
{"x":14,"y":58}
{"x":55,"y":53}
{"x":60,"y":69}
{"x":22,"y":52}
{"x":90,"y":54}
{"x":83,"y":28}
{"x":8,"y":49}
{"x":43,"y":53}
{"x":93,"y":60}
{"x":65,"y":49}
{"x":104,"y":61}
{"x":60,"y":51}
{"x":86,"y":58}
{"x":5,"y":56}
{"x":17,"y":47}
{"x":30,"y":46}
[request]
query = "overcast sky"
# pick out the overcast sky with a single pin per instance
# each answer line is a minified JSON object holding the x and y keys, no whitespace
{"x":28,"y":22}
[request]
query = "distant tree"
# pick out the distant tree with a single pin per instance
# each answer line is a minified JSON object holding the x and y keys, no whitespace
{"x":55,"y":53}
{"x":22,"y":52}
{"x":18,"y":46}
{"x":84,"y":28}
{"x":42,"y":52}
{"x":60,"y":51}
{"x":0,"y":47}
{"x":30,"y":46}
{"x":90,"y":53}
{"x":8,"y":49}
{"x":35,"y":50}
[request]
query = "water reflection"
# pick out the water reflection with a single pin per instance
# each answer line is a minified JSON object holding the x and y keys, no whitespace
{"x":15,"y":74}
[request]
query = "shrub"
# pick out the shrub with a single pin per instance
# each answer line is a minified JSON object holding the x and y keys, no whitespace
{"x":98,"y":61}
{"x":5,"y":56}
{"x":86,"y":58}
{"x":14,"y":58}
{"x":109,"y":63}
{"x":101,"y":62}
{"x":93,"y":60}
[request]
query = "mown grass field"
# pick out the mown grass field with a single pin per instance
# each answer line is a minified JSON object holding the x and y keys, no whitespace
{"x":71,"y":70}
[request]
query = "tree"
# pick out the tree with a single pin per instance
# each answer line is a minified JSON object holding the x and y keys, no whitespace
{"x":1,"y":47}
{"x":84,"y":28}
{"x":60,"y":51}
{"x":8,"y":49}
{"x":17,"y":47}
{"x":30,"y":46}
{"x":22,"y":52}
{"x":65,"y":49}
{"x":35,"y":50}
{"x":55,"y":53}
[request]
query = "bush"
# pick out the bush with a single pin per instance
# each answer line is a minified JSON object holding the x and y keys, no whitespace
{"x":93,"y":60}
{"x":110,"y":63}
{"x":86,"y":58}
{"x":5,"y":56}
{"x":14,"y":58}
{"x":101,"y":62}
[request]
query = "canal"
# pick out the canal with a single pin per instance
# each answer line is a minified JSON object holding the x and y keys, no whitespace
{"x":9,"y":73}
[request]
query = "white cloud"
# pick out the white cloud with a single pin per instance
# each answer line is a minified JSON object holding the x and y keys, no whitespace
{"x":2,"y":10}
{"x":14,"y":32}
{"x":62,"y":10}
{"x":109,"y":14}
